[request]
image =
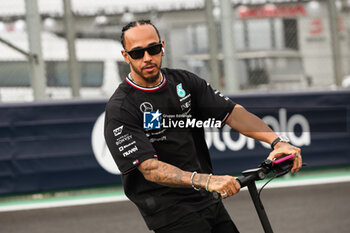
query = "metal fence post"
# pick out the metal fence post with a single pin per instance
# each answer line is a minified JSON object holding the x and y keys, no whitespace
{"x":213,"y":45}
{"x":335,"y":41}
{"x":37,"y":66}
{"x":228,"y":47}
{"x":74,"y":74}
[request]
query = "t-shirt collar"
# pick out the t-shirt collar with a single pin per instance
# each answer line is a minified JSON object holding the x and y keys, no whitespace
{"x":157,"y":87}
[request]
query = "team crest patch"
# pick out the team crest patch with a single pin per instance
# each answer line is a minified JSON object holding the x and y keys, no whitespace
{"x":180,"y":91}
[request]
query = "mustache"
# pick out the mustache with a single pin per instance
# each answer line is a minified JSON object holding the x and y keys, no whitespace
{"x":148,"y":65}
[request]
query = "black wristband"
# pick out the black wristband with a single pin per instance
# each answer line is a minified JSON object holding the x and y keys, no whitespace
{"x":273,"y":144}
{"x":277,"y":140}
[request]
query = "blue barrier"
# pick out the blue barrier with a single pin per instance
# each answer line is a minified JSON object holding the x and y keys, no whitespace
{"x":47,"y":146}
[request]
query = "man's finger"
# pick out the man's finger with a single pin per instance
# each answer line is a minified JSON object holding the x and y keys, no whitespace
{"x":274,"y":155}
{"x":297,"y":162}
{"x":300,"y":162}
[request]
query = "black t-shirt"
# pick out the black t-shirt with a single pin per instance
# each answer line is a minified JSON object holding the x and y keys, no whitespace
{"x":164,"y":122}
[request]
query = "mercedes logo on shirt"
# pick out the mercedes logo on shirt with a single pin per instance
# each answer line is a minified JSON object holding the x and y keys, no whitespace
{"x":146,"y":107}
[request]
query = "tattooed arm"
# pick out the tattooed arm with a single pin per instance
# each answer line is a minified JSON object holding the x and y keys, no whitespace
{"x":166,"y":174}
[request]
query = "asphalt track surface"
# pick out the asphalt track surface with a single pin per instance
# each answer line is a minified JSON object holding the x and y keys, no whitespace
{"x":306,"y":209}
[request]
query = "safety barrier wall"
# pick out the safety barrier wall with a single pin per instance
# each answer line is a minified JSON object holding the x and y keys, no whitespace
{"x":49,"y":146}
{"x":317,"y":122}
{"x":46,"y":146}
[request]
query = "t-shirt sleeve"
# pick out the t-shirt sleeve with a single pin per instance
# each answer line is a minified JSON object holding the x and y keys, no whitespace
{"x":209,"y":103}
{"x":127,"y":141}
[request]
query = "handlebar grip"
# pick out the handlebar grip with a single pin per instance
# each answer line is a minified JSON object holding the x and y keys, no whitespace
{"x":244,"y":180}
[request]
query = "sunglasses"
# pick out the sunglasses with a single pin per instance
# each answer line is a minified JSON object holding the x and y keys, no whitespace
{"x":140,"y":52}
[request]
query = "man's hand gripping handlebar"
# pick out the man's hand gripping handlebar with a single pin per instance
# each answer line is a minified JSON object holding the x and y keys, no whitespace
{"x":278,"y":167}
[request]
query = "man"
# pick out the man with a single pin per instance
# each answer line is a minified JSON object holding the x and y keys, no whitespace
{"x":154,"y":130}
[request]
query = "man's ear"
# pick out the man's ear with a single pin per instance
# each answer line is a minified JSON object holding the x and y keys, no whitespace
{"x":125,"y":56}
{"x":163,"y":50}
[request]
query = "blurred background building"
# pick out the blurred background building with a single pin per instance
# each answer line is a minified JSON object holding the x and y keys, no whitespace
{"x":255,"y":45}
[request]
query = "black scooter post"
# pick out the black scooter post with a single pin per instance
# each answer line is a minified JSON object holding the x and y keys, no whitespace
{"x":279,"y":168}
{"x":248,"y":179}
{"x":259,"y":208}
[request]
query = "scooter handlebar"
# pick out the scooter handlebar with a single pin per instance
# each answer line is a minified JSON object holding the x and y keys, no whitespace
{"x":245,"y":180}
{"x":279,"y":167}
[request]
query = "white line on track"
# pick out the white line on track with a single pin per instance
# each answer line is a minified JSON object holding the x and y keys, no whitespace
{"x":63,"y":203}
{"x":305,"y":182}
{"x":99,"y":200}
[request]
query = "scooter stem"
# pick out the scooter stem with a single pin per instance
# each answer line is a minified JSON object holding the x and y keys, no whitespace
{"x":259,"y":207}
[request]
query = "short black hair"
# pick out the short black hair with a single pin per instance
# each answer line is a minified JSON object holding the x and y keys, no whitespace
{"x":134,"y":24}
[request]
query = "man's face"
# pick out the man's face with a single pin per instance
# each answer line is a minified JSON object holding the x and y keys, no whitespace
{"x":147,"y":68}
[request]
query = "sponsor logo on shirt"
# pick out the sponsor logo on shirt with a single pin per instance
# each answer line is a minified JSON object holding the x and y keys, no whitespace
{"x":130,"y":151}
{"x":163,"y":138}
{"x":186,"y":105}
{"x":151,"y":120}
{"x":123,"y":139}
{"x":118,"y":131}
{"x":121,"y":148}
{"x":185,"y":98}
{"x":220,"y":94}
{"x":146,"y":107}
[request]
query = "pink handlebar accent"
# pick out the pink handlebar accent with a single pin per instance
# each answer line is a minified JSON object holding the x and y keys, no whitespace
{"x":282,"y":159}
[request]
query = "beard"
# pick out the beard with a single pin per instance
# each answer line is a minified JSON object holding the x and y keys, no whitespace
{"x":151,"y":79}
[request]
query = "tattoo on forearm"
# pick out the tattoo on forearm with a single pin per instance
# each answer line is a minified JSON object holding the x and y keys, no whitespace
{"x":166,"y":174}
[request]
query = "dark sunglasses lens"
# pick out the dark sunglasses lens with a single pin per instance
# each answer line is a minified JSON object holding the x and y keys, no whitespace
{"x":155,"y":49}
{"x":137,"y":54}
